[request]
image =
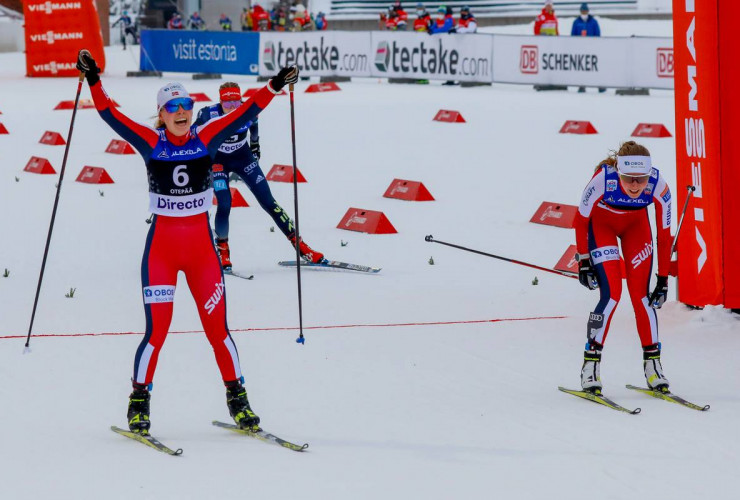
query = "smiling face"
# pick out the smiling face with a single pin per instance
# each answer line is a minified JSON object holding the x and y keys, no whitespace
{"x":178,"y":122}
{"x":634,"y":186}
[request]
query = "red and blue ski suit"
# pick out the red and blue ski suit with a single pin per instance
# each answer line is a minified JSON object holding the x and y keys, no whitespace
{"x":180,"y":239}
{"x":606,"y":213}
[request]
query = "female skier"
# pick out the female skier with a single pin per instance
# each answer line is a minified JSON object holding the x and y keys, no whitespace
{"x":614,"y":205}
{"x":234,"y":155}
{"x":178,"y":158}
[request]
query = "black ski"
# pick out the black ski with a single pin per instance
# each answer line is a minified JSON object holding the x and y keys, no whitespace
{"x":332,"y":264}
{"x":668,"y":396}
{"x":262,"y":436}
{"x":600,"y":399}
{"x":231,"y":272}
{"x":148,"y":440}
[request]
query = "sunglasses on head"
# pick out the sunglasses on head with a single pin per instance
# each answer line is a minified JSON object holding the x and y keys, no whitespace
{"x":231,"y":104}
{"x":185,"y":102}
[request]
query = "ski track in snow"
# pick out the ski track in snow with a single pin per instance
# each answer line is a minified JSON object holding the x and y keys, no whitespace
{"x":423,"y":411}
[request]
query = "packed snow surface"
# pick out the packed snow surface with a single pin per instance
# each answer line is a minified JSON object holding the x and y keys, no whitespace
{"x":467,"y":408}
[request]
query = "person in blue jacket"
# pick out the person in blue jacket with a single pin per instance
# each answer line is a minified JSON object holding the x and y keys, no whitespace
{"x":586,"y":25}
{"x":444,"y":23}
{"x":240,"y":154}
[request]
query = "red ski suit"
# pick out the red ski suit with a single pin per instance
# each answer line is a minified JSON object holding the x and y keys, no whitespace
{"x":606,"y":214}
{"x":180,"y":239}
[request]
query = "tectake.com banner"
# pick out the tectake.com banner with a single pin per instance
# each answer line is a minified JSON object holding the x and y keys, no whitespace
{"x":199,"y":51}
{"x":584,"y":61}
{"x":330,"y":53}
{"x":462,"y":57}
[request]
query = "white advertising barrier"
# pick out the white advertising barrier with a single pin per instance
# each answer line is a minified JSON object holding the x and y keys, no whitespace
{"x":584,"y":61}
{"x":437,"y":57}
{"x":330,"y":53}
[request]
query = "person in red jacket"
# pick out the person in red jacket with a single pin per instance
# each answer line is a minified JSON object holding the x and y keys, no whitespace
{"x":423,"y":19}
{"x":467,"y":22}
{"x":614,"y":207}
{"x":546,"y":23}
{"x":403,"y":17}
{"x":179,"y":159}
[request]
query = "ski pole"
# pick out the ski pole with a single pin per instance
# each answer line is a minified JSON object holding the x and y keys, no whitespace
{"x":691,"y":190}
{"x":300,"y":339}
{"x":567,"y":274}
{"x":54,"y":211}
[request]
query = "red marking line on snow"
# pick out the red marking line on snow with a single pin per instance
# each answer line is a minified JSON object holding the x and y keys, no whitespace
{"x":277,"y":329}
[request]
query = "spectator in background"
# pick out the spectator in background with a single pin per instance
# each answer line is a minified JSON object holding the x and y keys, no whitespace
{"x":546,"y":23}
{"x":403,"y":17}
{"x":423,"y":20}
{"x":246,"y":19}
{"x":301,"y":19}
{"x":175,"y":22}
{"x":260,"y":19}
{"x":225,"y":22}
{"x":196,"y":22}
{"x":586,"y":25}
{"x":321,"y":22}
{"x":467,"y":22}
{"x":127,"y":28}
{"x":444,"y":22}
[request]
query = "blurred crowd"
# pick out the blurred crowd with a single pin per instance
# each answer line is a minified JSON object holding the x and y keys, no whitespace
{"x":396,"y":19}
{"x":281,"y":17}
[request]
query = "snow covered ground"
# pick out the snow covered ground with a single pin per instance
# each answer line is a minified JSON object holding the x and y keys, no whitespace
{"x":461,"y":410}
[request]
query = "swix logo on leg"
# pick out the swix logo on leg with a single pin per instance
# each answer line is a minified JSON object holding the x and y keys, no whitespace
{"x":643,"y":255}
{"x":215,"y":298}
{"x":603,"y":254}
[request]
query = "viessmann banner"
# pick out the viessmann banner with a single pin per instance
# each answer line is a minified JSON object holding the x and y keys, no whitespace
{"x":597,"y":62}
{"x":199,"y":51}
{"x":330,"y":53}
{"x":465,"y":58}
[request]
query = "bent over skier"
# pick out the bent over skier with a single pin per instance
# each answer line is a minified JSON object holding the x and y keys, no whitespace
{"x":614,"y":206}
{"x":178,"y":157}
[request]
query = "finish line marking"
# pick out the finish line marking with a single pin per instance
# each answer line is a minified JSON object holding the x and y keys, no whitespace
{"x":294,"y":328}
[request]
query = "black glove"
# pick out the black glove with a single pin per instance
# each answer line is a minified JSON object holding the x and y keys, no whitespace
{"x":286,"y":75}
{"x":453,"y":30}
{"x":660,"y":293}
{"x":255,"y":147}
{"x":87,"y":65}
{"x":587,"y":275}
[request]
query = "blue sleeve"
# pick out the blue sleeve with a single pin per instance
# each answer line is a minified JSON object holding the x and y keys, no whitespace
{"x":254,"y":132}
{"x":203,"y":116}
{"x":574,"y":28}
{"x":597,"y":29}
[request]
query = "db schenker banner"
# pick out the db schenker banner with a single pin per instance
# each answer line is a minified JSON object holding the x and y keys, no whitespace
{"x":199,"y":51}
{"x":56,"y":31}
{"x":461,"y":57}
{"x":584,"y":61}
{"x":331,"y":53}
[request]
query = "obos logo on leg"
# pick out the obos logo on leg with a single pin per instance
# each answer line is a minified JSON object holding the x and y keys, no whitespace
{"x":159,"y":294}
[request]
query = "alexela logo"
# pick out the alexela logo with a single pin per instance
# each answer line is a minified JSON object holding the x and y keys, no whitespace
{"x":159,"y":294}
{"x":50,"y":37}
{"x":528,"y":57}
{"x":48,"y":7}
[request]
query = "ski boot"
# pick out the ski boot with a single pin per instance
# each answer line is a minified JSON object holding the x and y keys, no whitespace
{"x":653,"y":369}
{"x":222,"y":246}
{"x":138,"y":410}
{"x":239,"y":409}
{"x":590,"y":372}
{"x":307,"y":253}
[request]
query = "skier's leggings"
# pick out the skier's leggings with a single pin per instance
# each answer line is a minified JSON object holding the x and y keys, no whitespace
{"x":183,"y":244}
{"x":251,"y":173}
{"x":633,"y":229}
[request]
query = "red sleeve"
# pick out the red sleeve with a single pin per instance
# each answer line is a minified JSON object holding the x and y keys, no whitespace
{"x":591,"y":196}
{"x":141,"y":137}
{"x":537,"y":25}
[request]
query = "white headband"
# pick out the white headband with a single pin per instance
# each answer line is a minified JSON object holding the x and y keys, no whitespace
{"x":635,"y":166}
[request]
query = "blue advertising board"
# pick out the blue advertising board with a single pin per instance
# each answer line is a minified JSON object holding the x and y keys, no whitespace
{"x":189,"y":51}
